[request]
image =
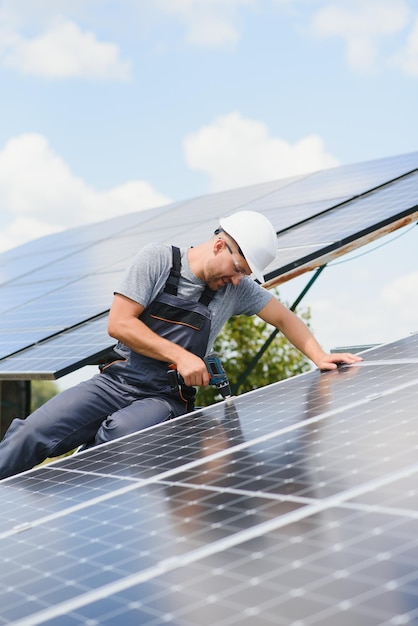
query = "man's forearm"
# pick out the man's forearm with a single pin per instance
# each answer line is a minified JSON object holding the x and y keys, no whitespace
{"x":140,"y":338}
{"x":301,"y":337}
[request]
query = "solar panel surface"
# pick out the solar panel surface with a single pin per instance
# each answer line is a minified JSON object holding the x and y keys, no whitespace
{"x":58,"y":355}
{"x":295,"y":504}
{"x":55,"y":284}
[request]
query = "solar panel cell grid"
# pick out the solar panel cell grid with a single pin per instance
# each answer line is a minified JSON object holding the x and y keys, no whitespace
{"x":57,"y":355}
{"x":294,"y":504}
{"x":27,"y":262}
{"x":89,"y":261}
{"x":285,"y":406}
{"x":361,"y":214}
{"x":403,"y":349}
{"x":344,"y":225}
{"x":350,"y":180}
{"x":76,"y":302}
{"x":287,"y":217}
{"x":15,"y":296}
{"x":58,"y":268}
{"x":217,"y":205}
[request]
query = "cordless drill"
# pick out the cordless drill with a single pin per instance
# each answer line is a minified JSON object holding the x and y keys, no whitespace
{"x":218,"y":377}
{"x":217,"y":374}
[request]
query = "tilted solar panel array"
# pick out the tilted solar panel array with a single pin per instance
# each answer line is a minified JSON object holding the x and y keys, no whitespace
{"x":292,"y":505}
{"x":55,"y":292}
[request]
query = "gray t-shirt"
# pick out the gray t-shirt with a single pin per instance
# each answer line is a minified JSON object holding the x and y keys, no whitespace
{"x":145,"y":279}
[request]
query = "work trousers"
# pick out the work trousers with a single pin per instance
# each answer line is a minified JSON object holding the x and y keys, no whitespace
{"x":93,"y":412}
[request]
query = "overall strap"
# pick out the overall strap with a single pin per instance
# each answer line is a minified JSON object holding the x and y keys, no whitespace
{"x":172,"y":283}
{"x":207,"y":296}
{"x":171,"y":286}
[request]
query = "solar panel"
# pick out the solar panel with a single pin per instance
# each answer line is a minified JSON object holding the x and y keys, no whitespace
{"x":84,"y":344}
{"x":295,"y":504}
{"x":64,"y":280}
{"x":361,"y":218}
{"x":55,"y":311}
{"x":349,"y":180}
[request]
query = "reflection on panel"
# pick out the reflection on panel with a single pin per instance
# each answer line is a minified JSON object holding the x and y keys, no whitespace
{"x":336,"y":567}
{"x":343,"y":225}
{"x":83,"y":345}
{"x":292,"y":504}
{"x":51,"y":284}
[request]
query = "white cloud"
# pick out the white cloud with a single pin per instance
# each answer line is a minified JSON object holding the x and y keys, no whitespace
{"x":63,"y":51}
{"x":407,"y":58}
{"x":363,"y":26}
{"x":235,"y":151}
{"x":42,"y":195}
{"x":401,"y":295}
{"x":339,"y":322}
{"x":208,"y":22}
{"x":358,"y":316}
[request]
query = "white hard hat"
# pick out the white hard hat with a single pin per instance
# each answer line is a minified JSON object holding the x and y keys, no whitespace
{"x":256,"y":237}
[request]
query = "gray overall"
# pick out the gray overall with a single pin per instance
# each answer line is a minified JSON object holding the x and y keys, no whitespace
{"x":132,"y":391}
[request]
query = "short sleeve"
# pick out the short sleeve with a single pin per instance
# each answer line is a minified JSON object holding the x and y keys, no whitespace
{"x":146,"y":275}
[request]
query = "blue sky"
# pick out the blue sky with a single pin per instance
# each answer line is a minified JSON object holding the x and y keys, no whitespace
{"x":112,"y":106}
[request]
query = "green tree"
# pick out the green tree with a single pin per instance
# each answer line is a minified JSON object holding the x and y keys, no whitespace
{"x":238,"y":343}
{"x":41,"y":391}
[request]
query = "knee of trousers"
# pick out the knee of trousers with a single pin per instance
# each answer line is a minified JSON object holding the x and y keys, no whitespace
{"x":138,"y":416}
{"x":21,"y":448}
{"x":36,"y":434}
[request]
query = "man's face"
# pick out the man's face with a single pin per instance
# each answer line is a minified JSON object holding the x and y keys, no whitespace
{"x":226,"y":267}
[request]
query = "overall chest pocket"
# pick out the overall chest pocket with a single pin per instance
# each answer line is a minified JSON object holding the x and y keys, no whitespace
{"x":175,"y":315}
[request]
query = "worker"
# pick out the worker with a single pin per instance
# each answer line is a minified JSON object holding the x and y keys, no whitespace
{"x":167,"y":311}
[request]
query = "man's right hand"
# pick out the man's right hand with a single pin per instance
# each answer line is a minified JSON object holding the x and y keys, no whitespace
{"x":193,"y":370}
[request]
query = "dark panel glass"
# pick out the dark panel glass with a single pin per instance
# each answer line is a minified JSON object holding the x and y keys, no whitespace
{"x":292,"y":504}
{"x":57,"y":310}
{"x":345,"y":224}
{"x":335,"y":567}
{"x":358,"y":215}
{"x":61,"y":354}
{"x":43,"y":269}
{"x":347,"y":180}
{"x":405,"y":348}
{"x":13,"y":296}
